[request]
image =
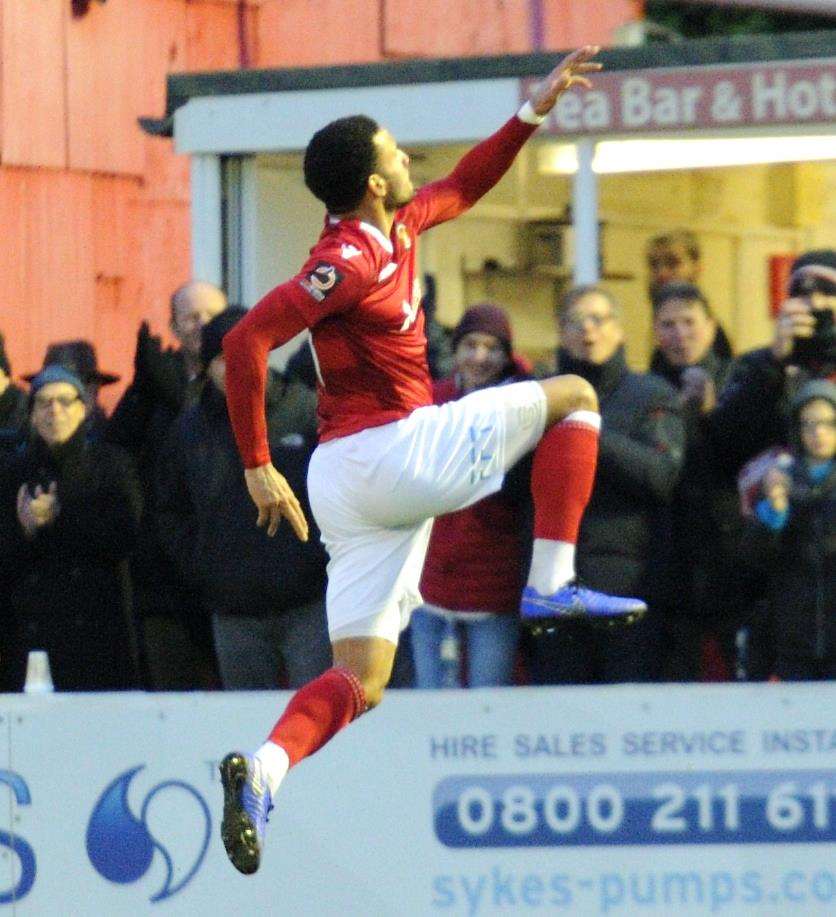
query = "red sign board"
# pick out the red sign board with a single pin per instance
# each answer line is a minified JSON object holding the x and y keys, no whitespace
{"x":788,"y":93}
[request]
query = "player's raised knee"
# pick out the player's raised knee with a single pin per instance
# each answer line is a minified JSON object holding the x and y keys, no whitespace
{"x":566,"y":394}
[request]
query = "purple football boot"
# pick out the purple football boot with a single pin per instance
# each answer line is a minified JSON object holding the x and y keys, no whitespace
{"x":247,"y":804}
{"x":573,"y":601}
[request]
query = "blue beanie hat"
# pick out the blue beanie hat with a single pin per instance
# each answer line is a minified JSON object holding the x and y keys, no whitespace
{"x":55,"y":373}
{"x":816,"y":389}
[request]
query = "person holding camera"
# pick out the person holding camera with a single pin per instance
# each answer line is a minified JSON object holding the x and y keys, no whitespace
{"x":791,"y":542}
{"x":754,"y":408}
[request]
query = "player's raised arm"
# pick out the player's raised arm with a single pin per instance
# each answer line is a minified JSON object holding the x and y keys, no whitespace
{"x":571,"y":71}
{"x":483,"y":166}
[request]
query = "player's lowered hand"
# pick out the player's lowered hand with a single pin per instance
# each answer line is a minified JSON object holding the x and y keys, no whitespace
{"x":272,"y":495}
{"x":571,"y":71}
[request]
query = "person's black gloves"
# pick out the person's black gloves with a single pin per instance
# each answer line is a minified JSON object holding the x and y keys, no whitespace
{"x":158,"y":373}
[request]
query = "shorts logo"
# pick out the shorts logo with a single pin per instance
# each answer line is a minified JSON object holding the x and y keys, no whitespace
{"x":526,"y":415}
{"x":481,"y":452}
{"x":321,"y":281}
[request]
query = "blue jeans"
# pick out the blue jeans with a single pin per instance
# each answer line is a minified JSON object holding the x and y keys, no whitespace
{"x":252,"y":652}
{"x":491,"y":645}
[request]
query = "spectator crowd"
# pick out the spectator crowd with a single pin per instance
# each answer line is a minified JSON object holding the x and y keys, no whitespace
{"x":129,"y":551}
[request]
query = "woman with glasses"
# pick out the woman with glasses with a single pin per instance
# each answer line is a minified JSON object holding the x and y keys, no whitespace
{"x":69,"y":510}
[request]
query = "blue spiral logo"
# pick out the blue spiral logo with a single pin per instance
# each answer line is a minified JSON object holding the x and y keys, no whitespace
{"x":120,"y":846}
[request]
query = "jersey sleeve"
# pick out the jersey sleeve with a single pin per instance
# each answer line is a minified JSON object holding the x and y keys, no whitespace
{"x":329,"y":284}
{"x":323,"y":287}
{"x":476,"y":173}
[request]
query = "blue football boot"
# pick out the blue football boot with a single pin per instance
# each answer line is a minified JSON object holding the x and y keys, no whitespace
{"x":247,"y":804}
{"x":573,"y":601}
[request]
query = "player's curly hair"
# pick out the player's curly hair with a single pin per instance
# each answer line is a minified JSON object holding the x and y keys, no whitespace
{"x":339,"y":160}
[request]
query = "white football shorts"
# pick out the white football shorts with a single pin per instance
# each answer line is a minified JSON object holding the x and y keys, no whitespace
{"x":374,"y":495}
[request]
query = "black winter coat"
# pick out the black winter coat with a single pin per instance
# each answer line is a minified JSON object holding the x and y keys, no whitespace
{"x":639,"y":461}
{"x":14,"y":418}
{"x":68,"y":587}
{"x":140,"y":424}
{"x":706,"y":507}
{"x":799,"y":566}
{"x":206,"y":519}
{"x":754,"y":408}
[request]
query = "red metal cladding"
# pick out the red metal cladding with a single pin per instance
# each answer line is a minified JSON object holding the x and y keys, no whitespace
{"x":32,"y":103}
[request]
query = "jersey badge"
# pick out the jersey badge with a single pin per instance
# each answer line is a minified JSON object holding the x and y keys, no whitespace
{"x":321,"y":281}
{"x":403,"y":235}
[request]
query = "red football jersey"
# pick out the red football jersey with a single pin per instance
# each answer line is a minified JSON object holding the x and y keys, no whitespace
{"x":361,"y":299}
{"x":359,"y":294}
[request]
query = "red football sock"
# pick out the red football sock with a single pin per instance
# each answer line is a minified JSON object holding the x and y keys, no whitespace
{"x":317,"y":712}
{"x":562,"y":476}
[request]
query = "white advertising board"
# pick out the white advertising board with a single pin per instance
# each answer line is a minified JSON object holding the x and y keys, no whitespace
{"x":615,"y":801}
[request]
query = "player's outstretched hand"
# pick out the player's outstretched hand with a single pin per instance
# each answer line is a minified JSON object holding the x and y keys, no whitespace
{"x":272,"y":495}
{"x":571,"y":71}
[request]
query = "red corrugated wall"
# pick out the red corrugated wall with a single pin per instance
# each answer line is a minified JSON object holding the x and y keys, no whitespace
{"x":94,"y":214}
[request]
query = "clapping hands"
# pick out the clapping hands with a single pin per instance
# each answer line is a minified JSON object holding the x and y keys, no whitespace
{"x":776,"y":489}
{"x":698,"y":389}
{"x":37,"y":509}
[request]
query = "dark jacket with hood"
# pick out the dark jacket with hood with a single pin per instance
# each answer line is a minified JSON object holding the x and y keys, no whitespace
{"x":69,"y":587}
{"x":798,"y":561}
{"x":640,"y":457}
{"x":206,"y":518}
{"x":754,"y":408}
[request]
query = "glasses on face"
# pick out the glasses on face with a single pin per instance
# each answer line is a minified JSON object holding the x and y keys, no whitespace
{"x":811,"y":426}
{"x":579,"y":322}
{"x":63,"y":401}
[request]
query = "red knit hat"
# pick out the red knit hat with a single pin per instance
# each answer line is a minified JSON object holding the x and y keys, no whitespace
{"x":486,"y":318}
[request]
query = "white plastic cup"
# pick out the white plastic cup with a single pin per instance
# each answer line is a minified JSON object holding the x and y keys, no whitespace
{"x":38,"y":676}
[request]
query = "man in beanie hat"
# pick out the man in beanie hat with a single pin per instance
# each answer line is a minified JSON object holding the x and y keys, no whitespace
{"x":791,"y":544}
{"x":265,"y":597}
{"x":754,"y":410}
{"x":477,"y":557}
{"x":13,"y":408}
